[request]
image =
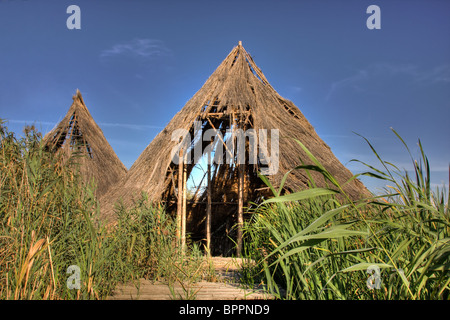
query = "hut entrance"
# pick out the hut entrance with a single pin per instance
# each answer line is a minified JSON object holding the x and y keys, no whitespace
{"x":215,"y":163}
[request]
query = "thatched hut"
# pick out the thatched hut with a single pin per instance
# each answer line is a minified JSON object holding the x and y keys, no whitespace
{"x":236,"y":96}
{"x":78,"y":134}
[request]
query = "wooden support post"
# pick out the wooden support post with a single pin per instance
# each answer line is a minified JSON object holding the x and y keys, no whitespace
{"x":208,"y":207}
{"x":240,"y":217}
{"x":183,"y":213}
{"x":180,"y":195}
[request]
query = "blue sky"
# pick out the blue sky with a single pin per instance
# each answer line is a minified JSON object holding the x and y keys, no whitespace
{"x":138,"y":62}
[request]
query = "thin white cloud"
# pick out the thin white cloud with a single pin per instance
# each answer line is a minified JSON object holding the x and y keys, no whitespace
{"x":351,"y":81}
{"x":440,"y":185}
{"x":438,"y":74}
{"x":358,"y":81}
{"x":337,"y":136}
{"x":31,"y":122}
{"x":138,"y":48}
{"x":129,"y":126}
{"x":296,"y":89}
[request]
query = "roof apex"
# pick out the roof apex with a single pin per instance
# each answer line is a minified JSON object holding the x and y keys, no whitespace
{"x":79,"y":97}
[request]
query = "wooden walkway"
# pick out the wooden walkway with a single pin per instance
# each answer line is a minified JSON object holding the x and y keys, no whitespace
{"x":226,"y":288}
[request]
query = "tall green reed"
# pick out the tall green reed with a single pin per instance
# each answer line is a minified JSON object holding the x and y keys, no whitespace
{"x":146,"y":237}
{"x":310,"y":245}
{"x":49,"y":222}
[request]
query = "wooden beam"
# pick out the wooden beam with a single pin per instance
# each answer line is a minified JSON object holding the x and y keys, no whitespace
{"x":240,"y":215}
{"x":208,"y":207}
{"x":199,"y":185}
{"x":223,"y":142}
{"x":205,"y":203}
{"x":215,"y":114}
{"x":263,"y":188}
{"x":183,"y":213}
{"x":180,"y":195}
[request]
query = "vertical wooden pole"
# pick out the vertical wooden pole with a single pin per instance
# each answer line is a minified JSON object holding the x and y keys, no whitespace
{"x":240,"y":217}
{"x":180,"y":195}
{"x":208,"y":208}
{"x":183,"y":213}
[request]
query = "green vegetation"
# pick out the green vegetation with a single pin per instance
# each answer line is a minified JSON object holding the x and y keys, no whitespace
{"x":319,"y":244}
{"x":49,"y":221}
{"x":313,"y":244}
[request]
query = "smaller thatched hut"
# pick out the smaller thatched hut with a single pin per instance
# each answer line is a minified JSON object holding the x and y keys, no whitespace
{"x":78,"y":133}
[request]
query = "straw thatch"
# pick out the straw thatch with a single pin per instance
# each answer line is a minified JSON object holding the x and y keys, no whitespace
{"x":237,"y":93}
{"x":78,"y":135}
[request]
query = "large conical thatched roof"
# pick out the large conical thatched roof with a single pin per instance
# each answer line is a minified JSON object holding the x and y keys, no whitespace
{"x":237,"y":90}
{"x":78,"y":133}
